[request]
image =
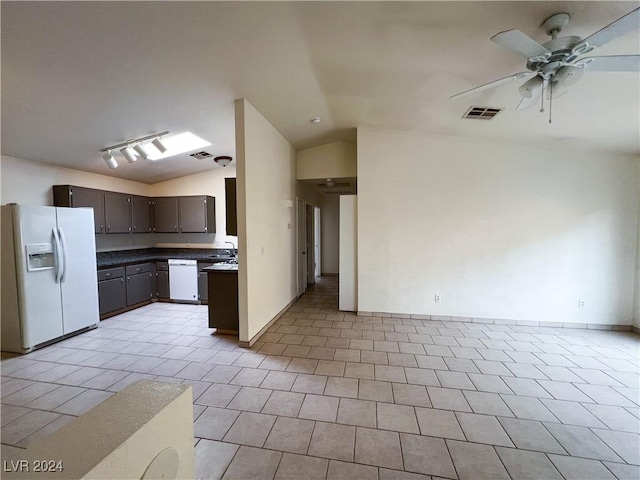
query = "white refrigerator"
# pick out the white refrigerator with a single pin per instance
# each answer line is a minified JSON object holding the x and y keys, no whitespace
{"x":49,"y":275}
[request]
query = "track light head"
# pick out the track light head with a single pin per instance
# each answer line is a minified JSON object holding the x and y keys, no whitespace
{"x":139,"y":148}
{"x":128,"y":153}
{"x":157,"y":142}
{"x":109,"y":160}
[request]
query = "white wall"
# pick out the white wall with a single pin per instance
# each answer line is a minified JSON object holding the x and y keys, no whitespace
{"x":498,"y":230}
{"x":348,"y":285}
{"x":330,"y":232}
{"x":333,"y":160}
{"x":210,"y":183}
{"x":636,"y":314}
{"x":29,"y":183}
{"x":266,"y":183}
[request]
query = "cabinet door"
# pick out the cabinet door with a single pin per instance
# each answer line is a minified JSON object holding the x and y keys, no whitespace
{"x":117,"y":212}
{"x":230,"y":206}
{"x":138,"y":288}
{"x":193,"y":214}
{"x":140,"y":214}
{"x":163,"y":284}
{"x":112,"y":295}
{"x":154,"y":281}
{"x":165,"y":214}
{"x":85,"y":197}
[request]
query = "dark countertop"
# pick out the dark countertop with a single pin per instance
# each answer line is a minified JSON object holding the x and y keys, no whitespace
{"x":123,"y":257}
{"x":222,"y":268}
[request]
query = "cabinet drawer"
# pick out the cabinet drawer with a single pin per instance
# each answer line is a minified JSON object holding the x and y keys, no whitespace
{"x":141,"y":268}
{"x":162,"y":266}
{"x":110,"y":273}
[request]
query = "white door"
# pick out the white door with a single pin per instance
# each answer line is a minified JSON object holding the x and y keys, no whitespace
{"x":39,"y":290}
{"x":301,"y":242}
{"x":311,"y":251}
{"x":79,"y":282}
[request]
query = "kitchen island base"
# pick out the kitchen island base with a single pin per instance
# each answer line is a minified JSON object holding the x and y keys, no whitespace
{"x":222,"y":288}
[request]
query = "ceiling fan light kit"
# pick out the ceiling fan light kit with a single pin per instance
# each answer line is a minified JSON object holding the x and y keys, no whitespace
{"x":554,"y":65}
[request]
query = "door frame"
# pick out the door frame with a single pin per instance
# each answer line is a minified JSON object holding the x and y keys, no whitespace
{"x":301,"y":231}
{"x":317,"y":217}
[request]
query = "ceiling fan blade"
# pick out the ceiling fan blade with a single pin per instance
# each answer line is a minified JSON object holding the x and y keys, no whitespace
{"x":487,"y":86}
{"x":520,"y":43}
{"x":625,"y":24}
{"x":611,"y":63}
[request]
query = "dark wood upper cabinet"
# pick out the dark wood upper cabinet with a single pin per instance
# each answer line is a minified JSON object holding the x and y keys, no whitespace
{"x":140,"y":214}
{"x":230,"y":206}
{"x":71,"y":196}
{"x":165,"y":215}
{"x":123,"y":213}
{"x":197,"y":214}
{"x":117,"y":210}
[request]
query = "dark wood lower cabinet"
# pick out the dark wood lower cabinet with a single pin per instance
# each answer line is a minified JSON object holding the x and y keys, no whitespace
{"x":112,"y":295}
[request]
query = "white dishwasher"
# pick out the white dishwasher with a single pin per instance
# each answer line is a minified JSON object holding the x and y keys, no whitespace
{"x":183,"y":280}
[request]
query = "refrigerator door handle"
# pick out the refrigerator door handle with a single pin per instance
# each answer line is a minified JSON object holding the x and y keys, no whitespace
{"x":56,"y":241}
{"x":63,"y":277}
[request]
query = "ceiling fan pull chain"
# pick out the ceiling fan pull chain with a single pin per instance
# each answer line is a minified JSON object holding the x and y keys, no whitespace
{"x":550,"y":99}
{"x":542,"y":97}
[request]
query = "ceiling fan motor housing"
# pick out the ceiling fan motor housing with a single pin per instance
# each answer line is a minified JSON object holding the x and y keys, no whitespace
{"x":562,"y":51}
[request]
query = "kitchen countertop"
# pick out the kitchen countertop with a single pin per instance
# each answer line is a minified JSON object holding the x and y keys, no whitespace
{"x":123,"y":257}
{"x":222,"y":268}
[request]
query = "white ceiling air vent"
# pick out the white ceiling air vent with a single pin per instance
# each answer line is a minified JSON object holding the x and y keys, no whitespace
{"x":201,"y":155}
{"x":482,"y":113}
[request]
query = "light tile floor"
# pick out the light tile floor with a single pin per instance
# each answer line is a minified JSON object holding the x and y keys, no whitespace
{"x":331,"y":395}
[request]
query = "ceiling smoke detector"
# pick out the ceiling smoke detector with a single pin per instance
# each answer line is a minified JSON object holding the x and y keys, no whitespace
{"x":223,"y":160}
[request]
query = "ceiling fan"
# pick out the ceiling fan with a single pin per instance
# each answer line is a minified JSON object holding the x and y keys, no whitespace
{"x":557,"y":64}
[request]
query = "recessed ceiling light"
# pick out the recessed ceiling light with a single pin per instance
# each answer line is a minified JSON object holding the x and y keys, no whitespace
{"x":315,"y":120}
{"x":177,"y":144}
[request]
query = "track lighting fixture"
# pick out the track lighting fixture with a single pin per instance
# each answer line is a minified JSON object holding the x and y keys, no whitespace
{"x":128,"y":153}
{"x":109,"y":160}
{"x":157,"y":142}
{"x":138,"y":149}
{"x":141,"y":151}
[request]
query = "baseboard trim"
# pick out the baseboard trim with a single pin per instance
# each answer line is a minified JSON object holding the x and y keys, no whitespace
{"x":263,"y":330}
{"x":498,"y":321}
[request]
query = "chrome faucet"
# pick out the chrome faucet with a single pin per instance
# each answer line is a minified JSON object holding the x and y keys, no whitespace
{"x":233,"y":246}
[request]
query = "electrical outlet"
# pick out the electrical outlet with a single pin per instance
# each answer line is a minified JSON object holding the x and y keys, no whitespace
{"x":581,"y":304}
{"x":437,"y":298}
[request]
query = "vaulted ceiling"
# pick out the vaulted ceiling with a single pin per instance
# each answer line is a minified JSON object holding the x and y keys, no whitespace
{"x":79,"y":76}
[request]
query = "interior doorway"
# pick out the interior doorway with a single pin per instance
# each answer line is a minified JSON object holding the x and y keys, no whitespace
{"x":318,"y":238}
{"x":310,"y":247}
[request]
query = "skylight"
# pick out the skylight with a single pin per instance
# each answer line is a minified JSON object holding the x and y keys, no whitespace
{"x":177,"y":144}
